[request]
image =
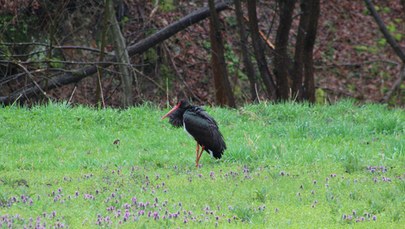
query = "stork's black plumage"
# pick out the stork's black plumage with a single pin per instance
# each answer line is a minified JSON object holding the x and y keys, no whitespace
{"x":201,"y":126}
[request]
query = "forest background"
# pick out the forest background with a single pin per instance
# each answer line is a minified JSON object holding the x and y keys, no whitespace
{"x":47,"y":49}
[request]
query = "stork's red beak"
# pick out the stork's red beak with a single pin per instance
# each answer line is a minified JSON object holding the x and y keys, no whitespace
{"x":171,"y":111}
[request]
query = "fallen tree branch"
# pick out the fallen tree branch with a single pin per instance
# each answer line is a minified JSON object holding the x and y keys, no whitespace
{"x":395,"y":46}
{"x":33,"y":62}
{"x":58,"y":47}
{"x":384,"y":30}
{"x":32,"y":78}
{"x":139,"y":47}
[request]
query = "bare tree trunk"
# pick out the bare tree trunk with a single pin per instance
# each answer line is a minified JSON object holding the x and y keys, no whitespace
{"x":121,"y":52}
{"x":259,"y":51}
{"x":309,"y":82}
{"x":298,"y":70}
{"x":281,"y":60}
{"x":99,"y":89}
{"x":250,"y":71}
{"x":223,"y":91}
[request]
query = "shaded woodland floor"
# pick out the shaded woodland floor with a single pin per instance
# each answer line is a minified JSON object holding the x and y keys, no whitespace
{"x":351,"y":57}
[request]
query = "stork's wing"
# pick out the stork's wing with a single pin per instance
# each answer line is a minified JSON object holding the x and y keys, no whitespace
{"x":205,"y":131}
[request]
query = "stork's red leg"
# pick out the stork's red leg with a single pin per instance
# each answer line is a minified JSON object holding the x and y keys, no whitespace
{"x":199,"y":156}
{"x":197,"y":149}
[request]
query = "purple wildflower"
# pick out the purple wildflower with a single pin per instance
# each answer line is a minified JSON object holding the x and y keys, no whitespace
{"x":245,"y":169}
{"x":134,"y":200}
{"x":126,"y":215}
{"x":107,"y":219}
{"x":155,"y":215}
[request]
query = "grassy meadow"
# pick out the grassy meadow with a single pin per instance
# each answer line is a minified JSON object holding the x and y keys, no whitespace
{"x":287,"y":165}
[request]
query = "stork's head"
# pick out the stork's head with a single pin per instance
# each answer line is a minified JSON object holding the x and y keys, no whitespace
{"x":176,"y":113}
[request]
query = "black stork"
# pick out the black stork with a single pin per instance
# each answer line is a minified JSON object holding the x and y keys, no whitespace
{"x":201,"y":126}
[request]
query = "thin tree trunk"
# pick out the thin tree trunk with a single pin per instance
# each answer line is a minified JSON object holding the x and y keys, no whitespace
{"x":99,"y":89}
{"x":403,"y":7}
{"x":250,"y":71}
{"x":259,"y":51}
{"x":309,"y":82}
{"x":281,"y":60}
{"x":297,"y":73}
{"x":121,"y":52}
{"x":223,"y":91}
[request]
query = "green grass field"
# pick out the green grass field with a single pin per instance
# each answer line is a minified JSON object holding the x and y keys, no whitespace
{"x":287,"y":165}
